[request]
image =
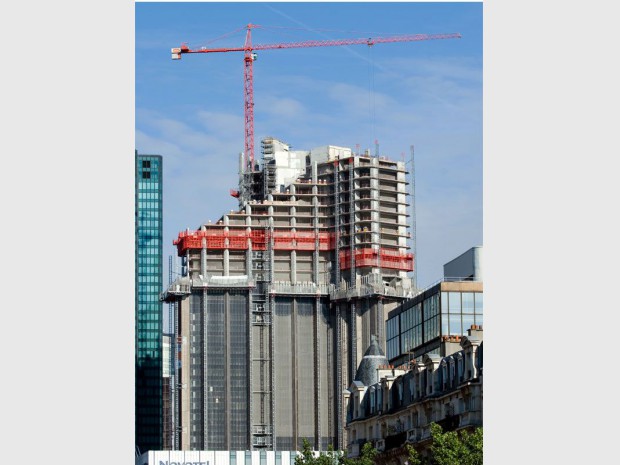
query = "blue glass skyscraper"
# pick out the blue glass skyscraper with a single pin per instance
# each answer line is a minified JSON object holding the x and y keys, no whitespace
{"x":148,"y":308}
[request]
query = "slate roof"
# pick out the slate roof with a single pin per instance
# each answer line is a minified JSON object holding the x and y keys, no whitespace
{"x":372,"y":360}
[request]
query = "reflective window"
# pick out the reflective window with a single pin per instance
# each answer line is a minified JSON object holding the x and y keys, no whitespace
{"x":444,"y":325}
{"x":478,"y":301}
{"x":454,"y":299}
{"x":468,"y":320}
{"x":455,"y":324}
{"x":468,"y":302}
{"x":417,"y":314}
{"x":444,"y":302}
{"x":417,"y":336}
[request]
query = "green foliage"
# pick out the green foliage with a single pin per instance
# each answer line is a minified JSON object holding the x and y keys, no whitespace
{"x":473,"y":443}
{"x":412,"y":456}
{"x":366,"y":457}
{"x":456,"y":449}
{"x":306,"y":457}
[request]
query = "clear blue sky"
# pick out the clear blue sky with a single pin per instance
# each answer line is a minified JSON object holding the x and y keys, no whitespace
{"x":428,"y":94}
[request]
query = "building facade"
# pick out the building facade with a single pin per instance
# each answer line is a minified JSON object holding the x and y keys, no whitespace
{"x":278,"y":299}
{"x":399,"y":408}
{"x":422,"y":325}
{"x":148,"y":308}
{"x":433,"y":319}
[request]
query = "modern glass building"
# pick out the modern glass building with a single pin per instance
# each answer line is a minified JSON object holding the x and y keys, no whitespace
{"x":148,"y":308}
{"x":421,"y":325}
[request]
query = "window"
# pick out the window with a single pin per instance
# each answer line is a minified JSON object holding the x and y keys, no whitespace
{"x":468,"y":302}
{"x":455,"y":324}
{"x":146,"y":175}
{"x":444,"y":372}
{"x":146,"y":163}
{"x":454,"y":299}
{"x":468,"y":321}
{"x":478,"y":300}
{"x":444,"y":302}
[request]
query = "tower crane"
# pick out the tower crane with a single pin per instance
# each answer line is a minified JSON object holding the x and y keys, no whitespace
{"x":250,"y":56}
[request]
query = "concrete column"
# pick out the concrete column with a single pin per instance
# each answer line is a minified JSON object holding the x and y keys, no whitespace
{"x":203,"y":258}
{"x":293,"y":266}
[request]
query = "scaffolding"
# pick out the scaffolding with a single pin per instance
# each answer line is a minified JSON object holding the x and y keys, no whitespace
{"x":261,"y":320}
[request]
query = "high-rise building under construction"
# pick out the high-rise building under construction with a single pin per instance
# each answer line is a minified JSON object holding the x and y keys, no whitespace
{"x":278,"y":301}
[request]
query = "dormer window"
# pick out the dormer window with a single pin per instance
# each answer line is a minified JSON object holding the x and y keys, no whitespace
{"x":444,"y":376}
{"x":429,"y":382}
{"x":372,"y":402}
{"x":452,"y":374}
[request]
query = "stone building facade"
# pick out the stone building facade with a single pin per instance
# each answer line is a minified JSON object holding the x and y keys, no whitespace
{"x":399,"y":408}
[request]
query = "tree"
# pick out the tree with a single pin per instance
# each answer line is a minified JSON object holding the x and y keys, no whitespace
{"x":413,"y":457}
{"x":366,"y":457}
{"x":473,"y":442}
{"x":307,"y":456}
{"x":452,"y":448}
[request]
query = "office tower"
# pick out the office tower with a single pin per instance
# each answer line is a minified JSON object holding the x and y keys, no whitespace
{"x":148,"y":308}
{"x":279,"y":299}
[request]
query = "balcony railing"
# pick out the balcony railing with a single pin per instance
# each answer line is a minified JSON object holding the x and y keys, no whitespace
{"x":395,"y":440}
{"x":471,"y":418}
{"x":413,"y":435}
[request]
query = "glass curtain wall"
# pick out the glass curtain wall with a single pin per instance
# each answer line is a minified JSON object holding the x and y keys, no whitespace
{"x":148,"y":309}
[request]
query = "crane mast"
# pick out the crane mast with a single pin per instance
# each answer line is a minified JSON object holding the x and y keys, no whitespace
{"x":249,"y":56}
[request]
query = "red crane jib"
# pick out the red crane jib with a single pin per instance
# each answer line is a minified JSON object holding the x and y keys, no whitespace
{"x":249,"y":57}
